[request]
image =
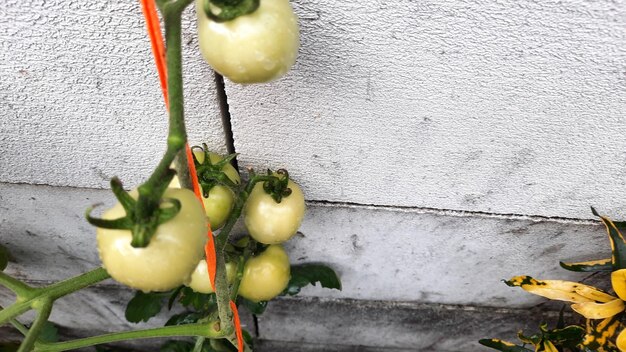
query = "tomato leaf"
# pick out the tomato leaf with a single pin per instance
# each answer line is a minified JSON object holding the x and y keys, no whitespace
{"x":184,"y":318}
{"x":185,"y":346}
{"x":49,"y":333}
{"x":176,"y":346}
{"x":310,"y":274}
{"x":199,"y":301}
{"x":9,"y":347}
{"x":256,"y":308}
{"x":143,"y":306}
{"x":4,"y":257}
{"x":247,"y":337}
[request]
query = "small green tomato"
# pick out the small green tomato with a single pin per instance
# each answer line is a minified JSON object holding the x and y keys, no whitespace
{"x":270,"y":222}
{"x":254,"y":48}
{"x":170,"y":257}
{"x":200,"y":277}
{"x":266,"y":275}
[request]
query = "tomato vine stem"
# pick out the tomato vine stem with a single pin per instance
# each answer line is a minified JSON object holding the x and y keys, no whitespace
{"x":33,"y":333}
{"x":52,"y":292}
{"x":221,"y":283}
{"x":203,"y":330}
{"x":16,"y":324}
{"x":18,"y":287}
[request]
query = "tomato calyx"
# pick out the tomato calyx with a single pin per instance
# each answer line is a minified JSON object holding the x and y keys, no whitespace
{"x":277,"y":186}
{"x":227,"y":10}
{"x":142,"y":218}
{"x":212,"y":174}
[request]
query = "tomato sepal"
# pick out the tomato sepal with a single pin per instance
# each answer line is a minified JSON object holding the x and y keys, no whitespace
{"x":229,"y":9}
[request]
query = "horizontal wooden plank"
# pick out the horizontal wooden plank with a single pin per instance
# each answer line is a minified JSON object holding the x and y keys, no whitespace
{"x":380,"y":254}
{"x":496,"y":106}
{"x":80,"y":95}
{"x":312,"y":324}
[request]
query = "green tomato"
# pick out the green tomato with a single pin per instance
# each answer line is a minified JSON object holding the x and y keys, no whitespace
{"x":200,"y":282}
{"x":170,"y":257}
{"x":266,"y":275}
{"x":254,"y":48}
{"x":221,"y":199}
{"x":270,"y":222}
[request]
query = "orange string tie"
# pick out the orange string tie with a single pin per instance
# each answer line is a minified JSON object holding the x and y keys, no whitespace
{"x":238,"y":331}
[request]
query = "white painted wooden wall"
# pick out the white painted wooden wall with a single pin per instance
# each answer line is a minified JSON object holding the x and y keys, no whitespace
{"x":442,"y":145}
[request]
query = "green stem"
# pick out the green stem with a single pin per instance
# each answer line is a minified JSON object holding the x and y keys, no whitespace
{"x":235,"y":290}
{"x":18,"y":287}
{"x":198,"y":345}
{"x":221,"y":284}
{"x":204,"y":330}
{"x":151,"y":191}
{"x":14,"y":310}
{"x":53,"y":292}
{"x":38,"y":324}
{"x":74,"y":284}
{"x":19,"y":326}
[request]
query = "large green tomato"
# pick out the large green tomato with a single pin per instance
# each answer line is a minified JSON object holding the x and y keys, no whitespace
{"x":170,"y":257}
{"x":270,"y":222}
{"x":200,"y":281}
{"x":254,"y":48}
{"x":221,"y":199}
{"x":266,"y":275}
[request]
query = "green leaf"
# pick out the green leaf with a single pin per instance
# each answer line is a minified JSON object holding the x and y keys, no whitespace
{"x":569,"y":335}
{"x":503,"y":345}
{"x":185,"y":318}
{"x":310,"y":274}
{"x":9,"y":347}
{"x":4,"y":257}
{"x":247,"y":337}
{"x":173,"y":296}
{"x":256,"y":308}
{"x":49,"y":333}
{"x":176,"y":346}
{"x":618,"y":243}
{"x":589,"y":266}
{"x":199,"y":301}
{"x":144,"y":306}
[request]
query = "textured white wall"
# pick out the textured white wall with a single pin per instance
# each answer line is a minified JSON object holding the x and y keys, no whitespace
{"x":493,"y":106}
{"x":80,"y":97}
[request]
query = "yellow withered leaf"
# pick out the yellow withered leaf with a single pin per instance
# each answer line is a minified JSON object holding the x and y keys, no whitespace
{"x":621,"y":340}
{"x":545,"y":346}
{"x":618,"y":281}
{"x":593,"y":310}
{"x":568,"y":291}
{"x":598,"y":336}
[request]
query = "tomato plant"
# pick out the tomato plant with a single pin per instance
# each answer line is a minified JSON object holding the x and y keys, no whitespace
{"x":271,"y":222}
{"x":253,"y":48}
{"x":171,"y":256}
{"x":153,"y":239}
{"x":266,"y":275}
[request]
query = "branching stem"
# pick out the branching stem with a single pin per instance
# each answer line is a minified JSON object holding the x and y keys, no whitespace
{"x":204,"y":330}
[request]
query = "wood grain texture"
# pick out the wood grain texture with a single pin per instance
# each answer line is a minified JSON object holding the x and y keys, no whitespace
{"x":493,"y":106}
{"x":370,"y":326}
{"x":80,"y":97}
{"x":379,"y":254}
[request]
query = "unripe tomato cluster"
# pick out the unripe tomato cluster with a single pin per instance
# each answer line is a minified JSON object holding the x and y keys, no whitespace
{"x":174,"y":255}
